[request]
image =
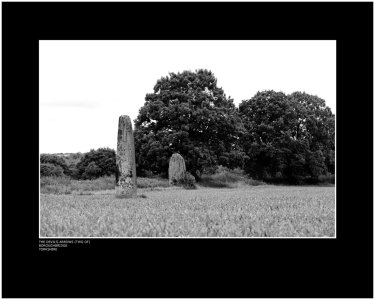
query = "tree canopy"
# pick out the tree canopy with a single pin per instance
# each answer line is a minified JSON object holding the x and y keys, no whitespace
{"x":188,"y":114}
{"x":289,"y":137}
{"x":272,"y":136}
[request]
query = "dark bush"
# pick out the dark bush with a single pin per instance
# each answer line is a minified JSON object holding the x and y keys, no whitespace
{"x":97,"y":163}
{"x":56,"y":161}
{"x":188,"y":182}
{"x":73,"y":171}
{"x":329,"y":178}
{"x":47,"y":169}
{"x":92,"y":171}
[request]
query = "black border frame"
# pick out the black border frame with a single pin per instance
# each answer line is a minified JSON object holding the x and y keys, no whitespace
{"x":341,"y":267}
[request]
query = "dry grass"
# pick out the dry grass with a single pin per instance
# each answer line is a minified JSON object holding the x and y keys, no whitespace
{"x":258,"y":211}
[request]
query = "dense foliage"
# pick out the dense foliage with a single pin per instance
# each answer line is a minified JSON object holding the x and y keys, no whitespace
{"x":289,"y":138}
{"x":52,"y":164}
{"x":272,"y":137}
{"x":72,"y":159}
{"x":188,"y":114}
{"x":50,"y":170}
{"x":97,"y":163}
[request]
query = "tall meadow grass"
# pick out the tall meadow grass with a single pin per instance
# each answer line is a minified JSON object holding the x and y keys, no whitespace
{"x":66,"y":185}
{"x":226,"y":178}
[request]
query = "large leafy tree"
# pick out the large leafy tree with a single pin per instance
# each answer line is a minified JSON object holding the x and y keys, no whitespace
{"x":316,"y":124}
{"x":189,"y":114}
{"x":289,"y":138}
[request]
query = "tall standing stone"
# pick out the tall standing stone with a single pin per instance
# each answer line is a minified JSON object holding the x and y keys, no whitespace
{"x":177,"y":169}
{"x":126,"y":179}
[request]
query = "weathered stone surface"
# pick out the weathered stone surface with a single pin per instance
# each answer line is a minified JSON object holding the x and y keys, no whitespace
{"x":126,"y":179}
{"x":177,"y":169}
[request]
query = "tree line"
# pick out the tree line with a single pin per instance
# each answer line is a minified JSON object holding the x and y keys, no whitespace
{"x":272,"y":136}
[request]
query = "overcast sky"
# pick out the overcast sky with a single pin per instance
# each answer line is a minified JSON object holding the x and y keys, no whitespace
{"x":86,"y":85}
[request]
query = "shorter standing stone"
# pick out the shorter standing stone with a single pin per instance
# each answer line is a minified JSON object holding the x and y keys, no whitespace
{"x":177,"y":169}
{"x":126,"y":180}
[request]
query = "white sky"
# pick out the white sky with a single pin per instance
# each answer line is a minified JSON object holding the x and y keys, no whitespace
{"x":84,"y":86}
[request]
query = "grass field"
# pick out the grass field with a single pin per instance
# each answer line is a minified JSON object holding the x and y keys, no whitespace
{"x":245,"y":211}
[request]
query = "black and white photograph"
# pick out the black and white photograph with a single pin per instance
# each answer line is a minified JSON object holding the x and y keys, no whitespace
{"x":187,"y":138}
{"x":187,"y":149}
